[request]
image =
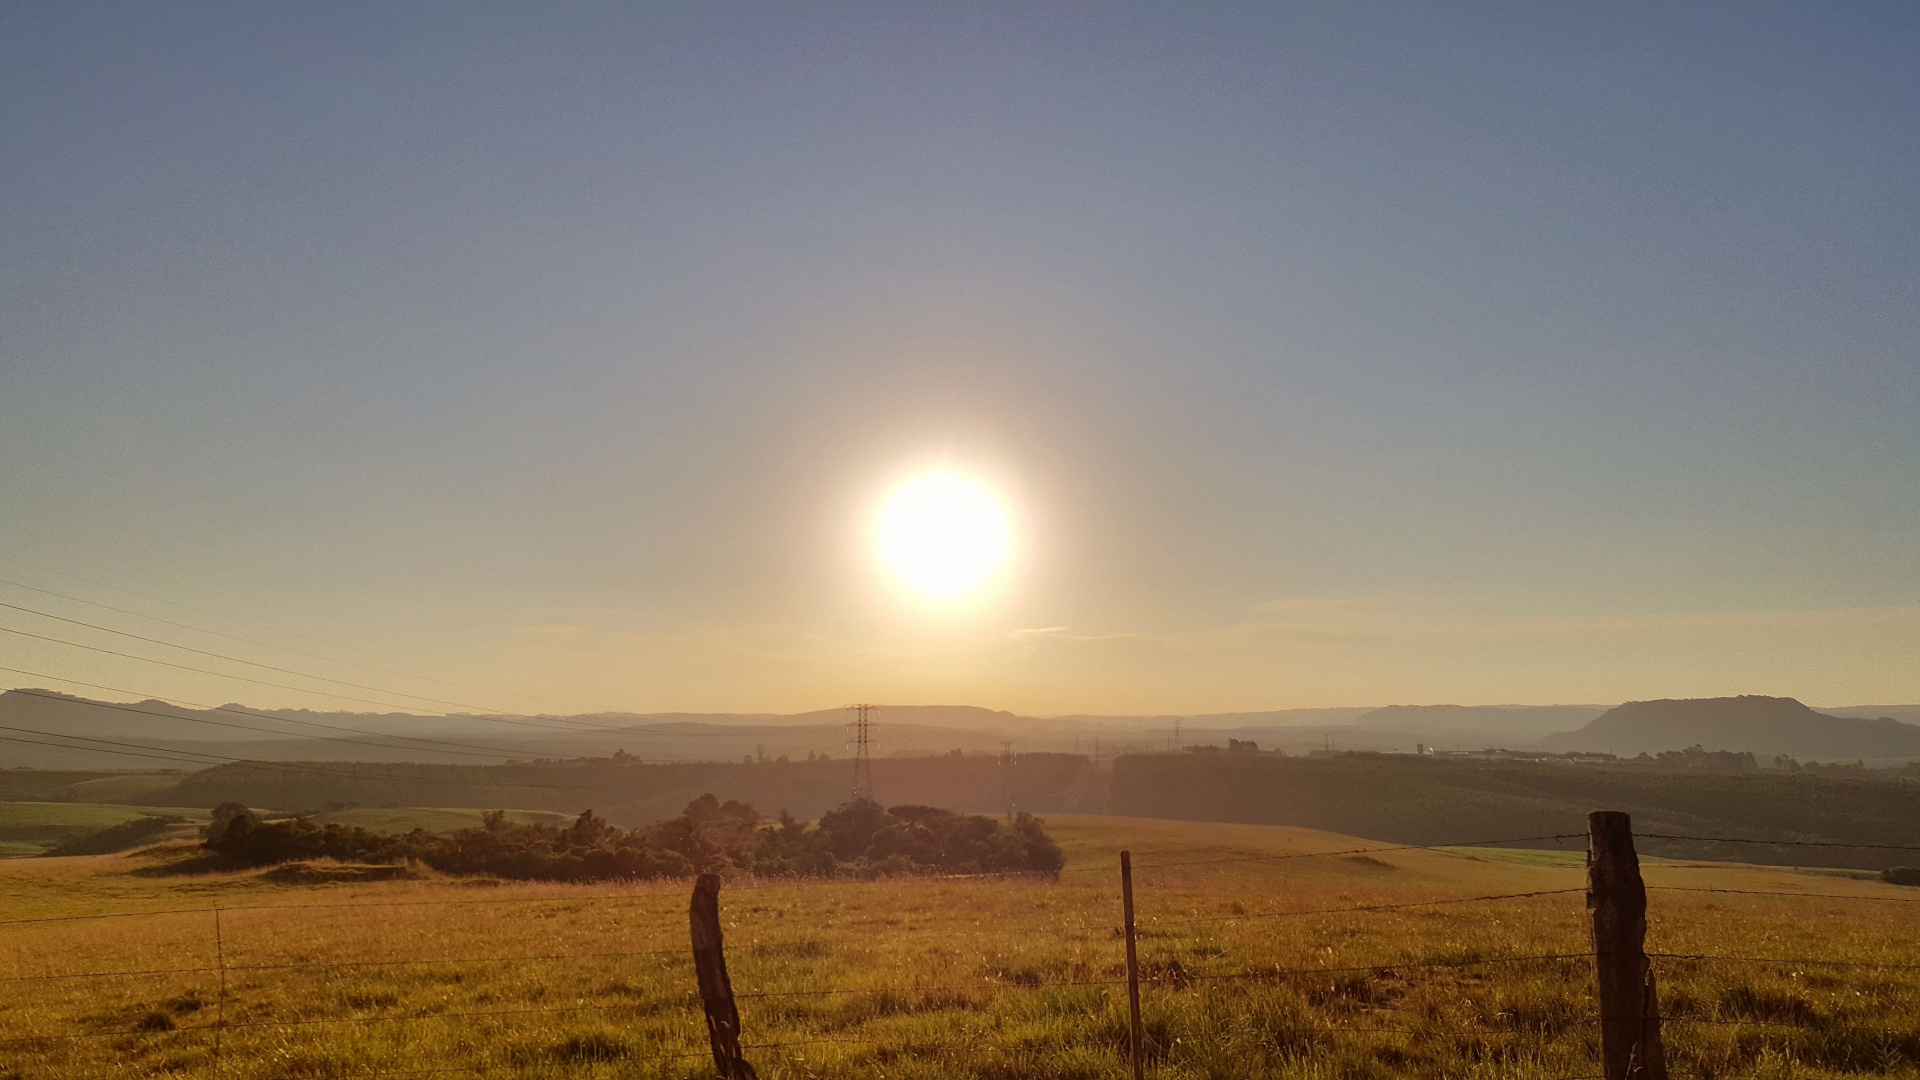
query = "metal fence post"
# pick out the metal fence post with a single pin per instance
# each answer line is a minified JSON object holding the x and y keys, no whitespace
{"x":1133,"y":962}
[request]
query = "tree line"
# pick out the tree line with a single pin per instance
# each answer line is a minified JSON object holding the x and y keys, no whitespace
{"x":859,"y":838}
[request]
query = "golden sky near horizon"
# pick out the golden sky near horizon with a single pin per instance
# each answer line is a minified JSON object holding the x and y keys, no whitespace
{"x":1053,"y":359}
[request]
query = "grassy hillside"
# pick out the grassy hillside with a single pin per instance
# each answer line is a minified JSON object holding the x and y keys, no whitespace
{"x":29,"y":828}
{"x":86,"y":785}
{"x":635,"y":793}
{"x":1250,"y":971}
{"x":1427,"y":801}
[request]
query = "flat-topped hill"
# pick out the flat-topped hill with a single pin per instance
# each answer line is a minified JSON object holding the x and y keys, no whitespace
{"x":1764,"y":726}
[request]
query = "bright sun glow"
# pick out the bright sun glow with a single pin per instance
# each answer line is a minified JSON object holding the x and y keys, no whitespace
{"x":943,"y":535}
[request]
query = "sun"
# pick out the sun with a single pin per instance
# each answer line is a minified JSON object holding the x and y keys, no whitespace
{"x":943,"y":535}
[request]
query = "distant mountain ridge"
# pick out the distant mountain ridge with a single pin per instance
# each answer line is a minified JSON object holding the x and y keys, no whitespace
{"x":1764,"y":726}
{"x":1509,"y":722}
{"x":84,"y":732}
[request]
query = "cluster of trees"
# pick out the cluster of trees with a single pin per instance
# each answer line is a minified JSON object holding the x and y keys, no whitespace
{"x":860,"y":838}
{"x":1696,"y":758}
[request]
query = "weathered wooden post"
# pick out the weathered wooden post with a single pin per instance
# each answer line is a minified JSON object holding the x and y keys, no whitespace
{"x":1617,"y":898}
{"x":1133,"y":961}
{"x":716,"y":990}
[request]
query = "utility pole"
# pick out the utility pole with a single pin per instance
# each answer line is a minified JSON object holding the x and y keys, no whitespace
{"x":1176,"y":734}
{"x":862,"y":725}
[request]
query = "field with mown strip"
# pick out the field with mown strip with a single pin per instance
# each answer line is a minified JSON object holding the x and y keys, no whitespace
{"x":28,"y":828}
{"x":430,"y":818}
{"x":68,"y":815}
{"x":1257,"y":966}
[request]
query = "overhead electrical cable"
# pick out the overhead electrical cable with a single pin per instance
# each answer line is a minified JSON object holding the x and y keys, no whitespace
{"x":241,"y":678}
{"x":270,"y":645}
{"x":518,"y":722}
{"x":283,"y":670}
{"x":183,"y":760}
{"x":272,"y":629}
{"x":303,"y":767}
{"x":435,"y":744}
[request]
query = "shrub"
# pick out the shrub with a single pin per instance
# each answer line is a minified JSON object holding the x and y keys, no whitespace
{"x":858,"y":838}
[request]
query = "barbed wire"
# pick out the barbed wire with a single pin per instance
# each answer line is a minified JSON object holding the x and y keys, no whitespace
{"x":323,"y":965}
{"x":1824,"y":1025}
{"x":661,"y":888}
{"x":1781,"y":892}
{"x":1169,"y":979}
{"x":1325,"y":854}
{"x":744,"y":948}
{"x":1778,"y":843}
{"x":1362,"y":908}
{"x":1785,"y":961}
{"x":379,"y":1019}
{"x":1176,"y":979}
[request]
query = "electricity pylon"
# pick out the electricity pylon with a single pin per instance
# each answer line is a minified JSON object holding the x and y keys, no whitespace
{"x":862,"y":725}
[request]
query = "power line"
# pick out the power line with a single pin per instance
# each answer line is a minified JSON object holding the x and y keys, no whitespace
{"x":278,"y":648}
{"x":504,"y":754}
{"x":486,"y":714}
{"x":183,"y":760}
{"x":261,"y":626}
{"x":266,"y":667}
{"x":436,"y":744}
{"x":298,"y":767}
{"x":228,"y":675}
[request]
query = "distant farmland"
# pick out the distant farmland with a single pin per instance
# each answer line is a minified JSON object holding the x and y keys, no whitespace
{"x":1425,"y":801}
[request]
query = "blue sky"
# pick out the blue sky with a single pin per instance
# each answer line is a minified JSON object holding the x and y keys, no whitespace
{"x":1326,"y":354}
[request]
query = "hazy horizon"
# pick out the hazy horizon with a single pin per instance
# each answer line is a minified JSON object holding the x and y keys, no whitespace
{"x":497,"y":358}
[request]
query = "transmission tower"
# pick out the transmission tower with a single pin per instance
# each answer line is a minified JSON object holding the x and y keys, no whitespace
{"x":1006,"y":776}
{"x":862,"y":724}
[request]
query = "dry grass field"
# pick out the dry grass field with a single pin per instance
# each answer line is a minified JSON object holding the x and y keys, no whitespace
{"x":1258,"y":966}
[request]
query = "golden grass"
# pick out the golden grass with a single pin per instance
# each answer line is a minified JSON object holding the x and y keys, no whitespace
{"x":944,"y":978}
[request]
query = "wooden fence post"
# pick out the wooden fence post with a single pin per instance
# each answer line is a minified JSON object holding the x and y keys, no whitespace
{"x":1133,"y":962}
{"x":716,"y":990}
{"x":1617,"y":898}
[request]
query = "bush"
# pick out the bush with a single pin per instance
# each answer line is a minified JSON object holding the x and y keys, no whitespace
{"x":1901,"y":875}
{"x":859,"y":838}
